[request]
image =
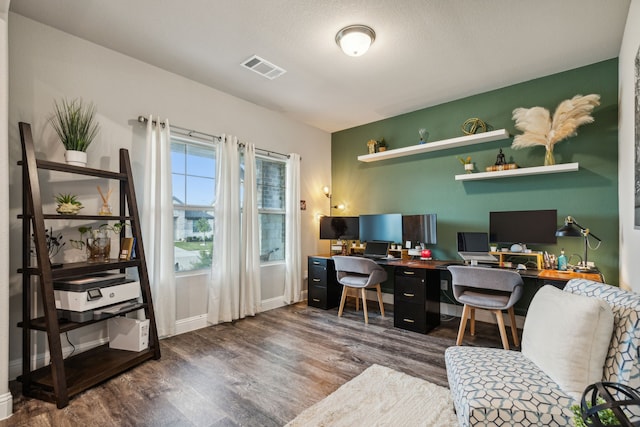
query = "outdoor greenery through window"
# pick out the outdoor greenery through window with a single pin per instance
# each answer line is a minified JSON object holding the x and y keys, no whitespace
{"x":193,"y":172}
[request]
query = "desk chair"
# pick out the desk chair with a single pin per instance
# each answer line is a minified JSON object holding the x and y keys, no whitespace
{"x":359,"y":273}
{"x":488,"y":289}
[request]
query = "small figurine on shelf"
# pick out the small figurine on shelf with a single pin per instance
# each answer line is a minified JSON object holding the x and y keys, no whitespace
{"x":106,"y":207}
{"x":500,"y":160}
{"x":371,"y":146}
{"x":423,"y":135}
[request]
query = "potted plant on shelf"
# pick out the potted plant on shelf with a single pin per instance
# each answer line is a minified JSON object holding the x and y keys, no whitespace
{"x":74,"y":122}
{"x":68,"y":204}
{"x":98,"y":244}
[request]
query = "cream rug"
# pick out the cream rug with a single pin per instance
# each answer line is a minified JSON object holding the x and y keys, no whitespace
{"x":380,"y":396}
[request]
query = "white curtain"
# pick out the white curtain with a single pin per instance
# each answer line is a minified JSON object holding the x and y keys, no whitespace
{"x":250,"y":295}
{"x":224,"y":286}
{"x":156,"y":216}
{"x":293,"y":277}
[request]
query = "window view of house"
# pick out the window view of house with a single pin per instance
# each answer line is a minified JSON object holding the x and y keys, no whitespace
{"x":271,"y":175}
{"x":193,"y":179}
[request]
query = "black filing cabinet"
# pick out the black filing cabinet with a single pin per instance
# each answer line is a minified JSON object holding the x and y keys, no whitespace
{"x":324,"y":289}
{"x":416,"y":299}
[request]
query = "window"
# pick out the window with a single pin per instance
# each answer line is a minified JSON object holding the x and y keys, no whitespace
{"x":270,"y":177}
{"x":193,"y":175}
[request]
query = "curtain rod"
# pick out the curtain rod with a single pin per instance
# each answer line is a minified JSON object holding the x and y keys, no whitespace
{"x":190,"y":132}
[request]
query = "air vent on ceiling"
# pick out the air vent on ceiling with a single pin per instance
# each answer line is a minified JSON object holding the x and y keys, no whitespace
{"x":263,"y":67}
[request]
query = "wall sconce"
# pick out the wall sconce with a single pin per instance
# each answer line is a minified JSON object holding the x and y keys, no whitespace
{"x":572,"y":229}
{"x":327,"y":192}
{"x":355,"y":40}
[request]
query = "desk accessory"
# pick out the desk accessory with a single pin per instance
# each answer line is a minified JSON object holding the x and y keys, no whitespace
{"x":572,"y":229}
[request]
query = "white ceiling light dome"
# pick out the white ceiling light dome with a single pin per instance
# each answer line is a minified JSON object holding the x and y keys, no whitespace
{"x":355,"y":40}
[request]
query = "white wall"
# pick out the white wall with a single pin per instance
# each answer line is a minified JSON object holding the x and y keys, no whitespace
{"x":6,"y":401}
{"x":629,"y":237}
{"x":46,"y":65}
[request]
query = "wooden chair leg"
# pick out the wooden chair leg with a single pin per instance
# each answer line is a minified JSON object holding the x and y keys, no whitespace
{"x":472,"y":326}
{"x":514,"y":327}
{"x":503,"y":331}
{"x":345,"y":290}
{"x":463,"y":323}
{"x":379,"y":291}
{"x":364,"y":306}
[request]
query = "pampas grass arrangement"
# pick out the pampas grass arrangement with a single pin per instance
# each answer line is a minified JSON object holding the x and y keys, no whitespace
{"x":539,"y":128}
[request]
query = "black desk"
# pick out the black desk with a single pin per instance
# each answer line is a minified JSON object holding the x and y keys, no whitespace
{"x":417,"y":285}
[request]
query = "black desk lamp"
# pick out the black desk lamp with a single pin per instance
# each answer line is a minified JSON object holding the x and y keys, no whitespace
{"x":572,"y":229}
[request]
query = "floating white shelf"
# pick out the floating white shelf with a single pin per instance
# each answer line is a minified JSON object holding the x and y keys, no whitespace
{"x":461,"y":141}
{"x":536,"y":170}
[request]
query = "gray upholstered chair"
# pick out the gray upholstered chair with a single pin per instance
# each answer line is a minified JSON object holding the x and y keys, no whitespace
{"x":359,"y":273}
{"x":490,"y":289}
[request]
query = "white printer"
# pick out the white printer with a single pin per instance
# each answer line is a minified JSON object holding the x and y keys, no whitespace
{"x":78,"y":298}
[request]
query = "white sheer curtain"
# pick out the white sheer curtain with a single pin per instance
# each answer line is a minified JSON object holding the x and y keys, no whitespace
{"x":293,"y":277}
{"x":224,"y":286}
{"x":250,"y":295}
{"x":156,"y":216}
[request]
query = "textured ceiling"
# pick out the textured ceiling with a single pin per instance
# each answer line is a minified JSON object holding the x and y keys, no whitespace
{"x":426,"y":51}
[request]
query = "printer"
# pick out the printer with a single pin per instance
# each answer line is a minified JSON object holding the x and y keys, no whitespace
{"x":84,"y":298}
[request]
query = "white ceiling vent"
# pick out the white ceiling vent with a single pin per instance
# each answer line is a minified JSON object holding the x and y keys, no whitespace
{"x":263,"y":67}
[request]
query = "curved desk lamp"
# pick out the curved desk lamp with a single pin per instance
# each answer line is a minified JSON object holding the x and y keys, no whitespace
{"x":572,"y":229}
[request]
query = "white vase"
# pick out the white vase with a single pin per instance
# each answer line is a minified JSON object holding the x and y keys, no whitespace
{"x":76,"y":158}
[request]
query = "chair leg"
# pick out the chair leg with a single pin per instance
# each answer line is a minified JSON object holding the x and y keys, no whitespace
{"x":503,"y":331}
{"x":463,"y":323}
{"x":345,"y":290}
{"x":364,"y":306}
{"x":379,"y":291}
{"x":472,"y":326}
{"x":514,"y":327}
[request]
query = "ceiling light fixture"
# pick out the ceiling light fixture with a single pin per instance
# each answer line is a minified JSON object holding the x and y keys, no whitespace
{"x":355,"y":40}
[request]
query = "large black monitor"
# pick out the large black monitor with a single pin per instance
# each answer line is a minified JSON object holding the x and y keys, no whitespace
{"x":528,"y":227}
{"x":419,"y":229}
{"x":339,"y":227}
{"x":382,"y":227}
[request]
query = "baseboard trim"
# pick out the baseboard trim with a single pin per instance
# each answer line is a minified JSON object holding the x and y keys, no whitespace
{"x":6,"y":406}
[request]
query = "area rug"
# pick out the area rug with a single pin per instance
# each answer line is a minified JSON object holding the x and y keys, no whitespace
{"x":380,"y":396}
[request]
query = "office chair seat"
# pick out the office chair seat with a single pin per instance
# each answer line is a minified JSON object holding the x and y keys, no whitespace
{"x":359,"y":273}
{"x":488,"y":289}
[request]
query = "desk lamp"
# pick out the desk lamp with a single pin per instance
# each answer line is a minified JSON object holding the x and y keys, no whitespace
{"x":572,"y":229}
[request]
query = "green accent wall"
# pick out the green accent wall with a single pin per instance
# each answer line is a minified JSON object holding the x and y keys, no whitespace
{"x":425,"y":183}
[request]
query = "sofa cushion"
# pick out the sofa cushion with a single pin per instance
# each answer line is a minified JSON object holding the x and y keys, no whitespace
{"x":622,"y":364}
{"x":499,"y":387}
{"x":567,"y":336}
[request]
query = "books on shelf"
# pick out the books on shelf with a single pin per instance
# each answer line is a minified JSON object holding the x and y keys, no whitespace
{"x":505,"y":167}
{"x":126,"y":248}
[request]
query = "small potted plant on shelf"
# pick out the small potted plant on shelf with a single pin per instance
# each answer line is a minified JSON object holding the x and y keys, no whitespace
{"x":98,"y":244}
{"x":68,"y":204}
{"x":74,"y":122}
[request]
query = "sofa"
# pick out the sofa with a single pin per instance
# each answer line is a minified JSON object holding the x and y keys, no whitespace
{"x":586,"y":333}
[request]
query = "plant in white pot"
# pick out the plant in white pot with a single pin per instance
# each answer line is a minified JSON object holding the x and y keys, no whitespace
{"x":75,"y":124}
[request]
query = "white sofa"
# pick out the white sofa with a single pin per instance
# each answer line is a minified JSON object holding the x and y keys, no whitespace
{"x":588,"y":332}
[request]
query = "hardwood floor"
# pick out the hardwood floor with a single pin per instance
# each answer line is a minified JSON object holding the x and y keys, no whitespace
{"x":259,"y":371}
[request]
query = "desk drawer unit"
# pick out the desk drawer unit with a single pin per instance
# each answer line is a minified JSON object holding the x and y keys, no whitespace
{"x":416,"y":306}
{"x":324,"y":290}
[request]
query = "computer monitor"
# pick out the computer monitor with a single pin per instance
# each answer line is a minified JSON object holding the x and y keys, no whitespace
{"x":381,"y":227}
{"x":528,"y":227}
{"x":419,"y":229}
{"x":339,"y":227}
{"x":474,"y":246}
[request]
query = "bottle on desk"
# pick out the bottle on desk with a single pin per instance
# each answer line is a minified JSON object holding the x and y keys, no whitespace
{"x":562,"y":261}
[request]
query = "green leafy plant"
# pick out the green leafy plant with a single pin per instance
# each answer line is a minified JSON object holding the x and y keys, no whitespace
{"x":607,"y":417}
{"x":79,"y":244}
{"x":464,"y":161}
{"x":74,"y":123}
{"x":68,"y":204}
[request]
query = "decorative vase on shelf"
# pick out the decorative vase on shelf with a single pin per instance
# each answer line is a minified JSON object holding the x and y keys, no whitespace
{"x":548,"y":157}
{"x":75,"y":158}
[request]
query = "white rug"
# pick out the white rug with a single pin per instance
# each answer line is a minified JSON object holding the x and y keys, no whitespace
{"x":380,"y":396}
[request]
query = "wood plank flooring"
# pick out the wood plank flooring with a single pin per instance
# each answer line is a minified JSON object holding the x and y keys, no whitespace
{"x":259,"y":371}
